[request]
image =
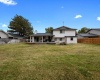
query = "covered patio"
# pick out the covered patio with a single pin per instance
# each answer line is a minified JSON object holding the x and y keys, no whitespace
{"x":41,"y":38}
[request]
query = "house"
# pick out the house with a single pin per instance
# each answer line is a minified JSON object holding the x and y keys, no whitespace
{"x":15,"y":34}
{"x":65,"y":34}
{"x":4,"y":37}
{"x":8,"y":38}
{"x":62,"y":34}
{"x":4,"y":34}
{"x":92,"y":33}
{"x":95,"y":31}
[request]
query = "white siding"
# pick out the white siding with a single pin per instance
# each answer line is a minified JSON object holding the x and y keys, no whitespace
{"x":94,"y":32}
{"x":3,"y":35}
{"x":58,"y":40}
{"x":67,"y":33}
{"x":71,"y":41}
{"x":70,"y":33}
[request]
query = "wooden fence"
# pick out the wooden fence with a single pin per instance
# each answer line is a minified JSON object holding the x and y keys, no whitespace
{"x":89,"y":40}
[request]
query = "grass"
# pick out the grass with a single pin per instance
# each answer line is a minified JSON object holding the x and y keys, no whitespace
{"x":49,"y":62}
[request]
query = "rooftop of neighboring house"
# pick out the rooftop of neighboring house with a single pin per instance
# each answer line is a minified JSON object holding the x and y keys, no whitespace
{"x":16,"y":35}
{"x":97,"y":29}
{"x":64,"y":28}
{"x":88,"y":35}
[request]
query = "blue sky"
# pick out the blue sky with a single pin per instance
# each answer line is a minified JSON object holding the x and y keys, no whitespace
{"x":45,"y":13}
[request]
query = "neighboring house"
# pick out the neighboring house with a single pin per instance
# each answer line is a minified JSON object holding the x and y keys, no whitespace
{"x":92,"y":33}
{"x":95,"y":31}
{"x":4,"y":34}
{"x":8,"y":38}
{"x":4,"y":37}
{"x":62,"y":34}
{"x":16,"y":36}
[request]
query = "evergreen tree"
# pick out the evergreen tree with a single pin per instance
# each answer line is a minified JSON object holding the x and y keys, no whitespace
{"x":21,"y":25}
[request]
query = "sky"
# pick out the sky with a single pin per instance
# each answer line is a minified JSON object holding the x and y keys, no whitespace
{"x":52,"y":13}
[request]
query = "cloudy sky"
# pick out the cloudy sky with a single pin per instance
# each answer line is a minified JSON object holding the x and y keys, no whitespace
{"x":46,"y":13}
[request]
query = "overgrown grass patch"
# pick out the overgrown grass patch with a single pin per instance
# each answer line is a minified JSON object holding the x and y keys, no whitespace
{"x":49,"y":62}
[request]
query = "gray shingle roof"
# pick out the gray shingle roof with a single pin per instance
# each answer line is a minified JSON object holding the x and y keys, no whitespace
{"x":15,"y":35}
{"x":64,"y":28}
{"x":42,"y":34}
{"x":97,"y":29}
{"x":88,"y":35}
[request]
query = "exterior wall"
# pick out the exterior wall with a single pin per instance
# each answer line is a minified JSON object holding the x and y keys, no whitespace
{"x":71,"y":41}
{"x":58,"y":40}
{"x":3,"y":35}
{"x":67,"y":33}
{"x":94,"y":32}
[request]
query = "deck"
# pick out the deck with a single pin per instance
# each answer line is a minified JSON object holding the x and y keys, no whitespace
{"x":41,"y":43}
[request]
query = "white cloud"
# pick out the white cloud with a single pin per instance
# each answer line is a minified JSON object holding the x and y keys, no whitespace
{"x":3,"y":25}
{"x":8,"y":2}
{"x":98,"y":18}
{"x":78,"y":16}
{"x":62,"y":7}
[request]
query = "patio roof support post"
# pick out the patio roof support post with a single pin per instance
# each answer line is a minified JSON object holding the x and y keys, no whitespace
{"x":33,"y":39}
{"x":30,"y":39}
{"x":42,"y":39}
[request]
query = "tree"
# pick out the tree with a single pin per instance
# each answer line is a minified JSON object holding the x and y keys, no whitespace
{"x":83,"y":30}
{"x":49,"y":30}
{"x":21,"y":25}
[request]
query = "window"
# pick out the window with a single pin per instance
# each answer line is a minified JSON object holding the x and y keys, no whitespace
{"x":71,"y":38}
{"x":60,"y":39}
{"x":62,"y":31}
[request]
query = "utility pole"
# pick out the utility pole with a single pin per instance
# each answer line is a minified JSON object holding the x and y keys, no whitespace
{"x":63,"y":23}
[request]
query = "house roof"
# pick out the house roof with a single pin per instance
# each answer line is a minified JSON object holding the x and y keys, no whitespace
{"x":97,"y":29}
{"x":64,"y":28}
{"x":42,"y":34}
{"x":88,"y":35}
{"x":15,"y":35}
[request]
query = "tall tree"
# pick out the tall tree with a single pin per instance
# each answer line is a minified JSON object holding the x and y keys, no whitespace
{"x":21,"y":25}
{"x":49,"y":30}
{"x":83,"y":30}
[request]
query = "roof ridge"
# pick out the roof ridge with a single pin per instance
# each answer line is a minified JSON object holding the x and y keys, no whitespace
{"x":64,"y":27}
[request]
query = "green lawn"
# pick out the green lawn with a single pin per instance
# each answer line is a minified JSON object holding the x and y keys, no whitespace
{"x":49,"y":62}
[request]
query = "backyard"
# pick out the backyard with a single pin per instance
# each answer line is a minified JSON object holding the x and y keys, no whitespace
{"x":49,"y":62}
